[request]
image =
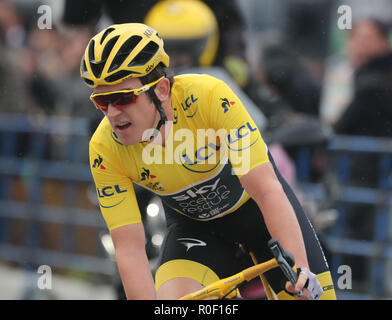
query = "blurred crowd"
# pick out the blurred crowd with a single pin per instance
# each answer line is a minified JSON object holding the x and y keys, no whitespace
{"x":304,"y":95}
{"x":40,"y":67}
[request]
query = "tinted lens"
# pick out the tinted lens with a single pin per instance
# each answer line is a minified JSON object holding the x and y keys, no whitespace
{"x":125,"y":99}
{"x":118,"y":100}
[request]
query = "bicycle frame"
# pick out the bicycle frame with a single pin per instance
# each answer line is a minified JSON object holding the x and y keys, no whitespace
{"x":227,"y":287}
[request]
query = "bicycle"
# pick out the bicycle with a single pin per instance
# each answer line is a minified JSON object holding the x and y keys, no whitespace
{"x":227,"y":287}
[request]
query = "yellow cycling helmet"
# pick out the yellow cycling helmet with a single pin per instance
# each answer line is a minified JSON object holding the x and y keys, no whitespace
{"x":186,"y":26}
{"x":120,"y":52}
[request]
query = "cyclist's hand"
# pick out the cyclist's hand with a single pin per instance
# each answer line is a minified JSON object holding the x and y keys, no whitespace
{"x":308,"y":284}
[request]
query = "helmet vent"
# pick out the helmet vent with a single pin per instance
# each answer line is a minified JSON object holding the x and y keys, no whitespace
{"x":83,"y":65}
{"x":91,"y":56}
{"x":124,"y":52}
{"x":83,"y":68}
{"x":108,"y":48}
{"x":97,"y":67}
{"x":89,"y":82}
{"x":119,"y":75}
{"x":106,"y":33}
{"x":145,"y":55}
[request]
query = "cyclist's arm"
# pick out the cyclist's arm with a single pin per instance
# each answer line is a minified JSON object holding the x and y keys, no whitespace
{"x":264,"y":187}
{"x":118,"y":204}
{"x":132,"y":261}
{"x":257,"y":175}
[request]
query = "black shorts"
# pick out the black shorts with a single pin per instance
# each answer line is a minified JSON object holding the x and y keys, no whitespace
{"x":208,"y":251}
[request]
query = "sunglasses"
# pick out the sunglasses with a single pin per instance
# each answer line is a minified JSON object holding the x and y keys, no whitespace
{"x":121,"y":98}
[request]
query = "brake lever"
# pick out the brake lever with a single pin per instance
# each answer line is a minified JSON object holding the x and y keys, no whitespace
{"x":279,"y":254}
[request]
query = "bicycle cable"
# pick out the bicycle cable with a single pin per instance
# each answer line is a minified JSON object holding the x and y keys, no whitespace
{"x":234,"y":288}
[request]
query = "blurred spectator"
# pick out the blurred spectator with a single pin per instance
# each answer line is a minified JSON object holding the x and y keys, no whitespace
{"x":38,"y":64}
{"x":45,"y":45}
{"x":288,"y":78}
{"x":292,"y":108}
{"x":72,"y":97}
{"x":369,"y":112}
{"x":307,"y":27}
{"x":12,"y":31}
{"x":12,"y":38}
{"x":367,"y":40}
{"x":11,"y":85}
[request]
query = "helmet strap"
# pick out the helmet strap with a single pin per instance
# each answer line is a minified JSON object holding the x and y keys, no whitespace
{"x":162,"y":120}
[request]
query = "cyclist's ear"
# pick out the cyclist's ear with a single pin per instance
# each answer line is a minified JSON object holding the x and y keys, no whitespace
{"x":162,"y":89}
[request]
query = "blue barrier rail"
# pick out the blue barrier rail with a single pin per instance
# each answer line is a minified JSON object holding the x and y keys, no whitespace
{"x":346,"y":192}
{"x":31,"y":170}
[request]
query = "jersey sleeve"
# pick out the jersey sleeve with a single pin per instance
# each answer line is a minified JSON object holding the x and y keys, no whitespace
{"x":239,"y":134}
{"x":115,"y":192}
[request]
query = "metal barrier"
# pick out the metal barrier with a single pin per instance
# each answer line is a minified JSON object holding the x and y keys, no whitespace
{"x":45,"y":215}
{"x":345,"y":192}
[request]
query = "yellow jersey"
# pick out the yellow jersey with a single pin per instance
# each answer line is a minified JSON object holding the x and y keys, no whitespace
{"x":211,"y":142}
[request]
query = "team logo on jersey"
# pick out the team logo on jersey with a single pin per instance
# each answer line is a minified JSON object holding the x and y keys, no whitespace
{"x":226,"y":104}
{"x":190,"y":242}
{"x":234,"y":140}
{"x":188,"y":102}
{"x":187,"y":105}
{"x":210,"y":198}
{"x":199,"y":161}
{"x":155,"y":186}
{"x":98,"y":163}
{"x":146,"y":175}
{"x":195,"y":192}
{"x":108,"y":192}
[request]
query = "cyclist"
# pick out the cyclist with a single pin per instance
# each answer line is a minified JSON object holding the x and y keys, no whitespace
{"x":221,"y":192}
{"x":189,"y":29}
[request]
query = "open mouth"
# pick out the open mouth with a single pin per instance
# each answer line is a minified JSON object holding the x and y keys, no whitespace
{"x":123,"y":126}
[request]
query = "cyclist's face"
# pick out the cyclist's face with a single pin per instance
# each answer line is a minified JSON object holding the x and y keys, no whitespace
{"x":132,"y":120}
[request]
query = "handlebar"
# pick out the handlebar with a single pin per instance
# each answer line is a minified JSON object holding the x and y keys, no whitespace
{"x":285,"y":261}
{"x":225,"y":287}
